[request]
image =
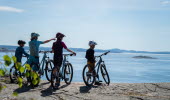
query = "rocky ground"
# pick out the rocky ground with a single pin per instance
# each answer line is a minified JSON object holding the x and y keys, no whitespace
{"x":78,"y":91}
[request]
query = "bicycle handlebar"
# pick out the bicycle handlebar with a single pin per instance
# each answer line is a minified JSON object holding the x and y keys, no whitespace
{"x":45,"y":51}
{"x":68,"y":54}
{"x":25,"y":56}
{"x":106,"y":53}
{"x":103,"y":54}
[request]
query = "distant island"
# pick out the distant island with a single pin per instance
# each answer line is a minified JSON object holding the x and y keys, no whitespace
{"x":9,"y":48}
{"x":144,"y":57}
{"x":6,"y":50}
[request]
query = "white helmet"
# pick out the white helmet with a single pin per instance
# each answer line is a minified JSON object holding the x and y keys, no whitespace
{"x":92,"y":43}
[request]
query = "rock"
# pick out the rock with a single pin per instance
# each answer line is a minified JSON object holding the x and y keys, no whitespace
{"x":78,"y":91}
{"x":144,"y":57}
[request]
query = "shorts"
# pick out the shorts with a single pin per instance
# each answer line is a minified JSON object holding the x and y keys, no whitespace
{"x":58,"y":62}
{"x":33,"y":61}
{"x":91,"y":66}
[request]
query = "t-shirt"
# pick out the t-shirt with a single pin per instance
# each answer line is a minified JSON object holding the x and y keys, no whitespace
{"x":90,"y":55}
{"x":19,"y":52}
{"x":58,"y":48}
{"x":34,"y":47}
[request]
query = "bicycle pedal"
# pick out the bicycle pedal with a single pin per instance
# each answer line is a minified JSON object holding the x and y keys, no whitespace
{"x":100,"y":81}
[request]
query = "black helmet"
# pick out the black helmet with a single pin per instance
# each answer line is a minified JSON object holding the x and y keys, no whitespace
{"x":60,"y":35}
{"x":21,"y":42}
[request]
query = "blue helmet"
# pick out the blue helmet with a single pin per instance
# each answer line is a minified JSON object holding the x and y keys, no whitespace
{"x":34,"y":35}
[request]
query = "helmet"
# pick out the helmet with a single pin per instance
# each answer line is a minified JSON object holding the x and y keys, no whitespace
{"x":34,"y":35}
{"x":92,"y":43}
{"x":21,"y":42}
{"x":59,"y":35}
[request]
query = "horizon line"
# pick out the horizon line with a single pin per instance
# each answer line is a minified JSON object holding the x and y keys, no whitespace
{"x":97,"y":49}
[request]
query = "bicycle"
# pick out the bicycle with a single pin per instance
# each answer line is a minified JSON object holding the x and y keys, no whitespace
{"x":89,"y":77}
{"x":45,"y":62}
{"x":14,"y":73}
{"x":49,"y":65}
{"x":65,"y":72}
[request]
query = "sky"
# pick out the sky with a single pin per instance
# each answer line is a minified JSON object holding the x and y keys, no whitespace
{"x":124,"y":24}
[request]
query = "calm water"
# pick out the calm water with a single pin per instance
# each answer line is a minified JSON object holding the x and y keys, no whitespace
{"x":123,"y":68}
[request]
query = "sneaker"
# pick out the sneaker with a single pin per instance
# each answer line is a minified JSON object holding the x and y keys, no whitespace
{"x":55,"y":88}
{"x":97,"y":83}
{"x":67,"y":79}
{"x":40,"y":72}
{"x":57,"y":84}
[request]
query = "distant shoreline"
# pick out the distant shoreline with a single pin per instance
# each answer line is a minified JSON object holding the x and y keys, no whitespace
{"x":9,"y":48}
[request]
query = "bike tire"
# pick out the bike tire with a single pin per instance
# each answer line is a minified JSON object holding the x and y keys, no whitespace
{"x":86,"y":78}
{"x":14,"y":74}
{"x":48,"y":70}
{"x":105,"y":74}
{"x":68,"y":69}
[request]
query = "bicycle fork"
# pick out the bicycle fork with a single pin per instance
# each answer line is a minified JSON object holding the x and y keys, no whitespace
{"x":99,"y":67}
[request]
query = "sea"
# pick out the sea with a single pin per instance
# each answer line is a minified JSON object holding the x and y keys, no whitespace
{"x":122,"y":67}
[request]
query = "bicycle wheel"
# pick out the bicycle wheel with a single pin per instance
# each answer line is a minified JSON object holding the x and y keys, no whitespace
{"x":105,"y":74}
{"x":48,"y":70}
{"x":34,"y":78}
{"x":14,"y":74}
{"x":88,"y":77}
{"x":68,"y":73}
{"x":54,"y":78}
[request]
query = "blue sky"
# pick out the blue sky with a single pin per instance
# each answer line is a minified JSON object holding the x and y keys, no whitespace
{"x":124,"y":24}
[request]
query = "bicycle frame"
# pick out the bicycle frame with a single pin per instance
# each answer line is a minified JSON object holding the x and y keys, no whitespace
{"x":65,"y":61}
{"x":99,"y":63}
{"x":98,"y":66}
{"x":44,"y":60}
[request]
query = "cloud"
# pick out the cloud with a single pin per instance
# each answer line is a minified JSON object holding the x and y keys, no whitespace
{"x":10,"y":9}
{"x":165,"y":2}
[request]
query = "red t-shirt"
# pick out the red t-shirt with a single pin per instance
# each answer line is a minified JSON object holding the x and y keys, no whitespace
{"x":58,"y":48}
{"x":62,"y":43}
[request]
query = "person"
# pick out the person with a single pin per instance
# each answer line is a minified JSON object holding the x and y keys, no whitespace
{"x":57,"y":49}
{"x":34,"y":49}
{"x":91,"y":60}
{"x":20,"y":51}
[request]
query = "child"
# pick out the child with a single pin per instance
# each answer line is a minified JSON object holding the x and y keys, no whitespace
{"x":20,"y":51}
{"x":34,"y":49}
{"x":91,"y":59}
{"x":57,"y":48}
